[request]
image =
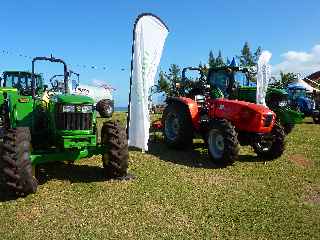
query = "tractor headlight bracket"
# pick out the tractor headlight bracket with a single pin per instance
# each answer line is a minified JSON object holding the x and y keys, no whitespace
{"x":77,"y":109}
{"x":87,"y":109}
{"x":68,"y":108}
{"x":283,"y":103}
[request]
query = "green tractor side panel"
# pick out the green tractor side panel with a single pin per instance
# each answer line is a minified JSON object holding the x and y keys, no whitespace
{"x":21,"y":110}
{"x":247,"y":94}
{"x":7,"y":90}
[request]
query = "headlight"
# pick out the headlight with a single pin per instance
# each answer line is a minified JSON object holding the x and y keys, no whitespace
{"x":87,"y":109}
{"x":68,"y":108}
{"x":283,"y":103}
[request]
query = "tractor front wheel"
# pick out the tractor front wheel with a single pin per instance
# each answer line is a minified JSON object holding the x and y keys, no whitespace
{"x":115,"y":159}
{"x":15,"y":163}
{"x":288,"y":128}
{"x":222,"y":141}
{"x":272,"y":145}
{"x":105,"y":107}
{"x":178,"y":128}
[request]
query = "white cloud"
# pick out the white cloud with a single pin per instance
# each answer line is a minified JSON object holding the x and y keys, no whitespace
{"x":98,"y":82}
{"x":297,"y":56}
{"x":304,"y":63}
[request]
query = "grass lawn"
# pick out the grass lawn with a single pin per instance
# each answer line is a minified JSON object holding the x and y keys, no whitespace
{"x":176,"y":195}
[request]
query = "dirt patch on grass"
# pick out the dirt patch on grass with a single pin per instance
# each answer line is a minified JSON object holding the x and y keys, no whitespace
{"x":166,"y":215}
{"x":29,"y":214}
{"x":313,"y":195}
{"x":300,"y":160}
{"x":203,"y":178}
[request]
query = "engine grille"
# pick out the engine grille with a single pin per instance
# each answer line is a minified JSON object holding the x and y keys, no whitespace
{"x":73,"y":121}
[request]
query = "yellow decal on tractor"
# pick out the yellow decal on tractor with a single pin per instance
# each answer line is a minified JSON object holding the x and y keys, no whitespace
{"x":23,"y":100}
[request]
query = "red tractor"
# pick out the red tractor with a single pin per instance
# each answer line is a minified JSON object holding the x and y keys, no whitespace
{"x":224,"y":124}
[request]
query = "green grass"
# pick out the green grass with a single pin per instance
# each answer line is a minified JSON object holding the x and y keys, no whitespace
{"x":177,"y":195}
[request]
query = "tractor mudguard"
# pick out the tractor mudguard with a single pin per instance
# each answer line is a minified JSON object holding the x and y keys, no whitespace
{"x":245,"y":116}
{"x":306,"y":105}
{"x":289,"y":116}
{"x":192,"y":107}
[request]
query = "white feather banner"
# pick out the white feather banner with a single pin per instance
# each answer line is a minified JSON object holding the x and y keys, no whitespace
{"x":263,"y":77}
{"x":149,"y":38}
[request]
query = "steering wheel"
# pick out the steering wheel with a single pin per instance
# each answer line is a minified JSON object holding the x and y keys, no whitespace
{"x":25,"y":91}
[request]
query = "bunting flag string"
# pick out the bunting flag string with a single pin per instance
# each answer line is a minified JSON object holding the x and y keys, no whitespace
{"x":107,"y":87}
{"x":81,"y":66}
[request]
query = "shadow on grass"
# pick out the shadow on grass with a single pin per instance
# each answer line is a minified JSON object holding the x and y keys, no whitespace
{"x":310,"y":123}
{"x":196,"y":156}
{"x":192,"y":157}
{"x":65,"y":172}
{"x":74,"y":173}
{"x":6,"y":195}
{"x":250,"y":158}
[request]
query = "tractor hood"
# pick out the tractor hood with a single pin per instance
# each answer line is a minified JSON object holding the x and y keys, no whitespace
{"x":8,"y":89}
{"x":74,"y":99}
{"x":279,"y":91}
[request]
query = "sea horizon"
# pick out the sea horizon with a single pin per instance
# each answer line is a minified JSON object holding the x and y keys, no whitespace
{"x":121,"y":109}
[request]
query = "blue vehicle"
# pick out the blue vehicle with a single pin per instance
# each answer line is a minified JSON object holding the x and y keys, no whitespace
{"x":302,"y":101}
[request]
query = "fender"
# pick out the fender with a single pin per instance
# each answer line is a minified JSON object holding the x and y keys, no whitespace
{"x":306,"y":105}
{"x":192,"y":107}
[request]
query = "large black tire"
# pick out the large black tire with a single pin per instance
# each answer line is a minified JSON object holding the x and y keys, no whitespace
{"x":15,"y":163}
{"x":105,"y":107}
{"x":222,"y":141}
{"x":115,"y":159}
{"x":272,"y":145}
{"x":288,"y":128}
{"x":273,"y":99}
{"x":316,"y":119}
{"x":177,"y":126}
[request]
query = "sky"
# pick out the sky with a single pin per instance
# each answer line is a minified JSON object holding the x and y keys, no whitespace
{"x":99,"y":33}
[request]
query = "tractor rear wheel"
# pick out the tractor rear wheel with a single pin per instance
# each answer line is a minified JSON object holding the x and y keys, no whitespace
{"x":178,"y":128}
{"x":272,"y":145}
{"x":115,"y":159}
{"x":288,"y":128}
{"x":222,"y":141}
{"x":105,"y":107}
{"x":15,"y":163}
{"x":316,"y":119}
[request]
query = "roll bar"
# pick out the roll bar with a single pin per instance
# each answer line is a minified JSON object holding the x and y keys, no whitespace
{"x":183,"y":75}
{"x":50,"y":59}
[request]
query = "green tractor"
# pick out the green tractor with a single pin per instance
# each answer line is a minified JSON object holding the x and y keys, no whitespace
{"x":234,"y":84}
{"x":63,"y":127}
